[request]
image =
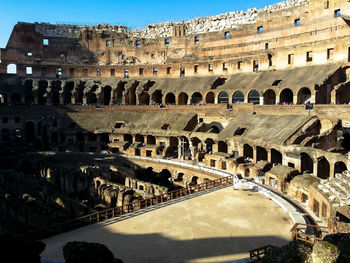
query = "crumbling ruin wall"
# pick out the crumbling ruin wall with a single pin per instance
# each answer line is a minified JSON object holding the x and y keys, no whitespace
{"x":193,"y":26}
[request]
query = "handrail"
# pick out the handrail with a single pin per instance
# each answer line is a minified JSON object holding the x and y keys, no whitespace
{"x":298,"y":234}
{"x":121,"y":210}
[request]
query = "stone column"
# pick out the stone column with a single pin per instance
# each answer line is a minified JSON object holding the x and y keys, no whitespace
{"x":179,"y":149}
{"x":261,"y":100}
{"x":254,"y":154}
{"x":269,"y":156}
{"x":334,"y":96}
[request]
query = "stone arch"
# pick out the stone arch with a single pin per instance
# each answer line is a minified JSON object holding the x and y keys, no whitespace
{"x":185,"y":146}
{"x":210,"y":98}
{"x":254,"y":97}
{"x":304,"y":95}
{"x":157,"y":97}
{"x":209,"y":145}
{"x":307,"y":163}
{"x":139,"y":138}
{"x":286,"y":96}
{"x":197,"y":143}
{"x":269,"y":97}
{"x":15,"y":99}
{"x":182,"y":99}
{"x":91,"y":97}
{"x":29,"y":132}
{"x":11,"y":69}
{"x":222,"y":147}
{"x":105,"y":95}
{"x":170,"y":98}
{"x":323,"y":168}
{"x":276,"y":156}
{"x":223,"y":97}
{"x":196,"y":98}
{"x":164,"y":176}
{"x":261,"y":154}
{"x":5,"y":135}
{"x":151,"y":139}
{"x":248,"y":151}
{"x":238,"y":97}
{"x":339,"y":167}
{"x":180,"y":177}
{"x":144,"y":98}
{"x":67,"y":93}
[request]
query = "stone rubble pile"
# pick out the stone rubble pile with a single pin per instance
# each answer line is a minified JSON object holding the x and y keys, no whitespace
{"x":338,"y":188}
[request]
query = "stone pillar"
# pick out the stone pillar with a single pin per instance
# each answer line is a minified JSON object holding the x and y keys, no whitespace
{"x":269,"y":156}
{"x":73,"y":100}
{"x":179,"y":149}
{"x":315,"y":168}
{"x":334,"y":96}
{"x":84,"y":99}
{"x":261,"y":100}
{"x":331,"y":170}
{"x":254,"y":154}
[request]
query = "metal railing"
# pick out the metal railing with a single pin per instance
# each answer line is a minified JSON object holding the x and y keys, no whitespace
{"x":122,"y":210}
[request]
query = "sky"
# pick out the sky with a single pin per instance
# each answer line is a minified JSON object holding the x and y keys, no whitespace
{"x":132,"y":13}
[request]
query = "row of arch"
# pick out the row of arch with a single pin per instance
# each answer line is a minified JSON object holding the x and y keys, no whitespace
{"x":71,"y":93}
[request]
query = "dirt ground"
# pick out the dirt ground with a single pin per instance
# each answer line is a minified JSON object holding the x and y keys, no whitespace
{"x":217,"y":227}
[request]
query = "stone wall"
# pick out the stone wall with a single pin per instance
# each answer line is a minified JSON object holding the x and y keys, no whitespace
{"x":194,"y":26}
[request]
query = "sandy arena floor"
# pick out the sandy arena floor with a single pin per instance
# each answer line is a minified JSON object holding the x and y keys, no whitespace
{"x":217,"y":227}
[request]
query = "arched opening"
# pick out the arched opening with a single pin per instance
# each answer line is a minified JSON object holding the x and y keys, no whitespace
{"x":222,"y":147}
{"x":29,"y":132}
{"x":304,"y":96}
{"x":254,"y":97}
{"x":194,"y":180}
{"x":180,"y":177}
{"x":238,"y":97}
{"x":157,"y":97}
{"x":269,"y":97}
{"x":209,"y":145}
{"x":339,"y":167}
{"x":197,"y":98}
{"x":261,"y":154}
{"x":151,"y":139}
{"x":128,"y":138}
{"x":170,"y":99}
{"x":223,"y":97}
{"x":323,"y":168}
{"x":79,"y":93}
{"x":307,"y":164}
{"x":130,"y":96}
{"x":55,"y":92}
{"x":139,"y":138}
{"x":248,"y":151}
{"x":42,"y":93}
{"x":164,"y":177}
{"x":11,"y":69}
{"x":15,"y":99}
{"x":174,"y":142}
{"x":5,"y":135}
{"x":286,"y":96}
{"x":67,"y":93}
{"x":144,"y":98}
{"x":246,"y":172}
{"x":210,"y":98}
{"x":91,"y":97}
{"x":92,"y":137}
{"x":105,"y":95}
{"x":18,"y":135}
{"x":182,"y":99}
{"x":276,"y":156}
{"x":214,"y":129}
{"x":197,"y":144}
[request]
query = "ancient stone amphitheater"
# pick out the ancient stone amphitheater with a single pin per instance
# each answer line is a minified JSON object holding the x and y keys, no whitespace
{"x":261,"y":95}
